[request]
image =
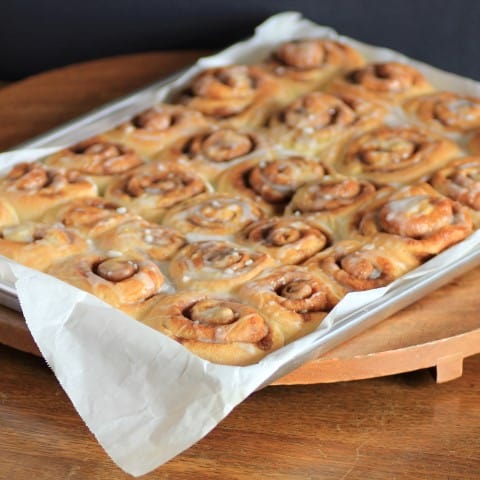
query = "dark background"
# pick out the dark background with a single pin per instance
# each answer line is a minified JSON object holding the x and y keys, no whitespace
{"x":40,"y":35}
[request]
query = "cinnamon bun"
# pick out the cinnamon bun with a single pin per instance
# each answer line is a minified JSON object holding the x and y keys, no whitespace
{"x":316,"y":120}
{"x":289,"y":240}
{"x":293,"y":297}
{"x":136,"y":236}
{"x":216,"y":266}
{"x":212,"y":151}
{"x":460,"y":181}
{"x":395,"y":156}
{"x":446,"y":111}
{"x":387,"y":82}
{"x":212,"y":215}
{"x":221,"y":330}
{"x":38,"y":245}
{"x":331,"y":201}
{"x":235,"y":95}
{"x":424,"y":220}
{"x":126,"y":282}
{"x":271,"y":183}
{"x":32,"y":188}
{"x":151,"y":189}
{"x":96,"y":158}
{"x":357,"y":265}
{"x":92,"y":216}
{"x":310,"y":62}
{"x":156,"y":128}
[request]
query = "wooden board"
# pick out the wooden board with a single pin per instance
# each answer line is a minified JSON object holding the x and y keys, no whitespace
{"x":438,"y":331}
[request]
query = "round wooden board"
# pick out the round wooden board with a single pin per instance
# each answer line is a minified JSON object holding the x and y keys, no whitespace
{"x":437,"y":331}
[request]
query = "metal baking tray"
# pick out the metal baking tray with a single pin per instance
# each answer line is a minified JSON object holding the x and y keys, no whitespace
{"x":119,"y":110}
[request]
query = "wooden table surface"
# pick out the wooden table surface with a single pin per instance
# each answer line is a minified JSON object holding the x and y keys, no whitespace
{"x":398,"y":427}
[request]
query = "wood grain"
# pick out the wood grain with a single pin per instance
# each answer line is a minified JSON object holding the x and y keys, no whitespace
{"x":397,"y":427}
{"x":400,"y":427}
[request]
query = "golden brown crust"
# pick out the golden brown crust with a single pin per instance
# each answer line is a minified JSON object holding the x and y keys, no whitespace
{"x":474,"y":144}
{"x":212,"y":215}
{"x":125,"y":282}
{"x":390,"y":82}
{"x":38,"y":245}
{"x":151,"y":189}
{"x":154,"y":129}
{"x":289,"y":240}
{"x":271,"y":183}
{"x":460,"y":181}
{"x":212,"y":151}
{"x":446,"y":111}
{"x":395,"y":156}
{"x":316,"y":120}
{"x":424,"y":220}
{"x":311,"y":62}
{"x":221,"y":330}
{"x":234,"y":95}
{"x":8,"y":215}
{"x":96,"y":158}
{"x":293,"y":297}
{"x":216,"y":266}
{"x":32,"y":188}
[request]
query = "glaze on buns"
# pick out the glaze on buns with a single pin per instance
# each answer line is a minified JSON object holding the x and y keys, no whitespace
{"x":233,"y":216}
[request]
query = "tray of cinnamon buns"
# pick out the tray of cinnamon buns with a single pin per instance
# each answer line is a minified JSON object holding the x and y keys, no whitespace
{"x":233,"y":208}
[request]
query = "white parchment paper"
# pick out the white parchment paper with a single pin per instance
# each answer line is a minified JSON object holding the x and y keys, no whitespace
{"x":145,"y":397}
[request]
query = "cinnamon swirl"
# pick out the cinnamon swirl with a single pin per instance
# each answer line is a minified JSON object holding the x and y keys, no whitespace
{"x":235,"y":95}
{"x":424,"y":220}
{"x":293,"y":297}
{"x":156,"y":128}
{"x":38,"y":245}
{"x":92,"y":216}
{"x":151,"y":189}
{"x":216,"y":266}
{"x":289,"y":240}
{"x":100,"y":160}
{"x":395,"y":156}
{"x":221,"y":330}
{"x":139,"y":237}
{"x":460,"y":181}
{"x":331,"y":201}
{"x":125,"y":282}
{"x":311,"y":62}
{"x":32,"y":188}
{"x":212,"y":151}
{"x":390,"y":82}
{"x":316,"y":120}
{"x":446,"y":111}
{"x":271,"y":183}
{"x":357,"y":265}
{"x":212,"y":215}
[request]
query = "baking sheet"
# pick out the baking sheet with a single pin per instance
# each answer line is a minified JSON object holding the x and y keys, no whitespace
{"x":143,"y":395}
